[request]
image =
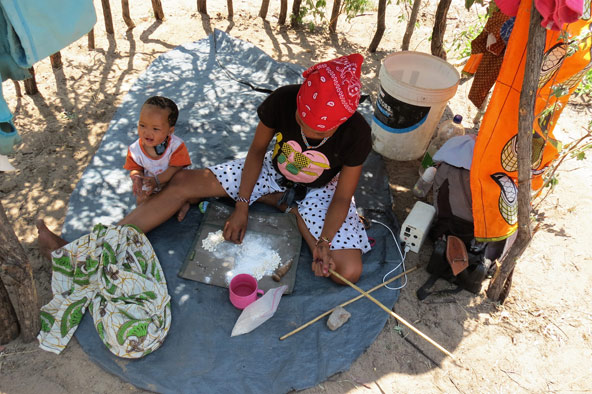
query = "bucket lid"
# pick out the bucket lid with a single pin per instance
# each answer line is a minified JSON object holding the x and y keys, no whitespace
{"x":418,"y":78}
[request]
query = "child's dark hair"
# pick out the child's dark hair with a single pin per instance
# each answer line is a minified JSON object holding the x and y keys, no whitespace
{"x":165,"y":103}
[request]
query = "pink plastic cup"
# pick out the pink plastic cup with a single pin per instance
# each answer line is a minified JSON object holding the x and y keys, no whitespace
{"x":243,"y":290}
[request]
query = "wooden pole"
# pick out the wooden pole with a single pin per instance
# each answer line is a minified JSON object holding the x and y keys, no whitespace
{"x":296,"y":13}
{"x":202,"y":7}
{"x":500,"y":285}
{"x":91,"y":39}
{"x":410,"y":25}
{"x":17,"y":87}
{"x":30,"y":84}
{"x":380,"y":27}
{"x":17,"y":276}
{"x":158,"y":12}
{"x":334,"y":16}
{"x":440,"y":29}
{"x":283,"y":12}
{"x":264,"y":8}
{"x":56,"y":60}
{"x":231,"y":9}
{"x":302,"y":327}
{"x":125,"y":12}
{"x":107,"y":16}
{"x":393,"y":314}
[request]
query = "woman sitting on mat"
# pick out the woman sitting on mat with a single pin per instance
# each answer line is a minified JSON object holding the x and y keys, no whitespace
{"x":321,"y":142}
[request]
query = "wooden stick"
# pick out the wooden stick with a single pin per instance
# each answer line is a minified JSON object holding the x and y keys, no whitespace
{"x":302,"y":327}
{"x":393,"y":314}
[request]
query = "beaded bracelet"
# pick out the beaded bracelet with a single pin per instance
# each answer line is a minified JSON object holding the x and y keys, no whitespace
{"x":323,"y":239}
{"x":242,"y":199}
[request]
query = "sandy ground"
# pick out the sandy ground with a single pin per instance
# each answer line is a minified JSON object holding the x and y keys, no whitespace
{"x":540,"y":340}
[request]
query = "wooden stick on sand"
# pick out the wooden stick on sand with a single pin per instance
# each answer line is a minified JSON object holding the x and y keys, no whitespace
{"x":302,"y":327}
{"x":393,"y":314}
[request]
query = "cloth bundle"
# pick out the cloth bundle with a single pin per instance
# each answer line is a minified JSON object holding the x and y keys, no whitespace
{"x":115,"y":273}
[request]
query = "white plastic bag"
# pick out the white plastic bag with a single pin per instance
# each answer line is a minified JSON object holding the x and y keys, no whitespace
{"x":258,"y":312}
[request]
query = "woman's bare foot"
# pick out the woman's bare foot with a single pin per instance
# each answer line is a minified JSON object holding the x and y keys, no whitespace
{"x":46,"y":240}
{"x":183,"y":211}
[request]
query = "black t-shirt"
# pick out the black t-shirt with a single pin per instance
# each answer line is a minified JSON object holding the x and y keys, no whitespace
{"x":315,"y":167}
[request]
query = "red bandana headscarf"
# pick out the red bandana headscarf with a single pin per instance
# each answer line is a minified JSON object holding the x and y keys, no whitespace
{"x":330,"y":92}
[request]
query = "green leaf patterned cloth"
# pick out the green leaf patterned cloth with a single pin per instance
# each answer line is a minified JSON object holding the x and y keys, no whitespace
{"x":114,"y":272}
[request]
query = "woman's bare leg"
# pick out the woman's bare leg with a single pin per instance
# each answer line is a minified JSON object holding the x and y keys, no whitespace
{"x":47,"y":240}
{"x":186,"y":185}
{"x":183,"y":211}
{"x":348,"y":262}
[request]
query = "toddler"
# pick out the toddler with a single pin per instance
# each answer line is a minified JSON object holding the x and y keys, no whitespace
{"x":157,"y":154}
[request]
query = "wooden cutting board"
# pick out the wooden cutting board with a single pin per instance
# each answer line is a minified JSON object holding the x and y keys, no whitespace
{"x":271,"y":231}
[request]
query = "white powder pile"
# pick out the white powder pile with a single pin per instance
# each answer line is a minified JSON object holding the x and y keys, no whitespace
{"x":211,"y":242}
{"x":254,"y":256}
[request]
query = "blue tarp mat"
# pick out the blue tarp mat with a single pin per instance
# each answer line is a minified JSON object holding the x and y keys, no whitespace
{"x":218,"y":83}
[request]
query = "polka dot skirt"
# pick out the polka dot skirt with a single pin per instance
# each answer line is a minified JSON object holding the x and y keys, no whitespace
{"x":313,"y":208}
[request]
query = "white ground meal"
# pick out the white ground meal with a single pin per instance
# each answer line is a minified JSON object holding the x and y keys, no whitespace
{"x":254,"y":256}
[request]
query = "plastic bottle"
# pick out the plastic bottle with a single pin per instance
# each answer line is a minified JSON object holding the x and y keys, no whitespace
{"x":424,"y":183}
{"x":450,"y":128}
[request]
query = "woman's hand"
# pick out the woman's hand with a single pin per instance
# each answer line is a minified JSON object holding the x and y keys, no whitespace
{"x":236,"y":225}
{"x":322,"y":259}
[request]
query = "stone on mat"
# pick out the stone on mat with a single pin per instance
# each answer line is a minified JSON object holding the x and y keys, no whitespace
{"x":338,"y":318}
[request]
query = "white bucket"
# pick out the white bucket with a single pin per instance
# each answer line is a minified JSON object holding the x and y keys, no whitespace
{"x":414,"y":90}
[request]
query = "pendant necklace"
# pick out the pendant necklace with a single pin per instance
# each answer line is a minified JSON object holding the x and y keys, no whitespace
{"x":308,"y":146}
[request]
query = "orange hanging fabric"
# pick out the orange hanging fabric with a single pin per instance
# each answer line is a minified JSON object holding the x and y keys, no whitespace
{"x":472,"y":64}
{"x":495,"y":162}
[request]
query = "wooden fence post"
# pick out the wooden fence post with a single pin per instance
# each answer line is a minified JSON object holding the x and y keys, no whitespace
{"x":440,"y":29}
{"x":91,"y":39}
{"x":334,"y":16}
{"x":17,"y":276}
{"x":264,"y":8}
{"x":410,"y":25}
{"x":231,"y":9}
{"x":380,"y":27}
{"x":17,"y":87}
{"x":107,"y":16}
{"x":56,"y":60}
{"x":296,"y":13}
{"x":158,"y":12}
{"x":283,"y":12}
{"x":500,"y":285}
{"x":125,"y":12}
{"x":30,"y":84}
{"x":202,"y":7}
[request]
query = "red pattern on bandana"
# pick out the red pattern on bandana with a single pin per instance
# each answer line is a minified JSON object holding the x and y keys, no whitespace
{"x":330,"y":93}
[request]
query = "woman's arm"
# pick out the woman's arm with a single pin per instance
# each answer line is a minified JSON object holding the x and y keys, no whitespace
{"x":336,"y":214}
{"x":236,"y":225}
